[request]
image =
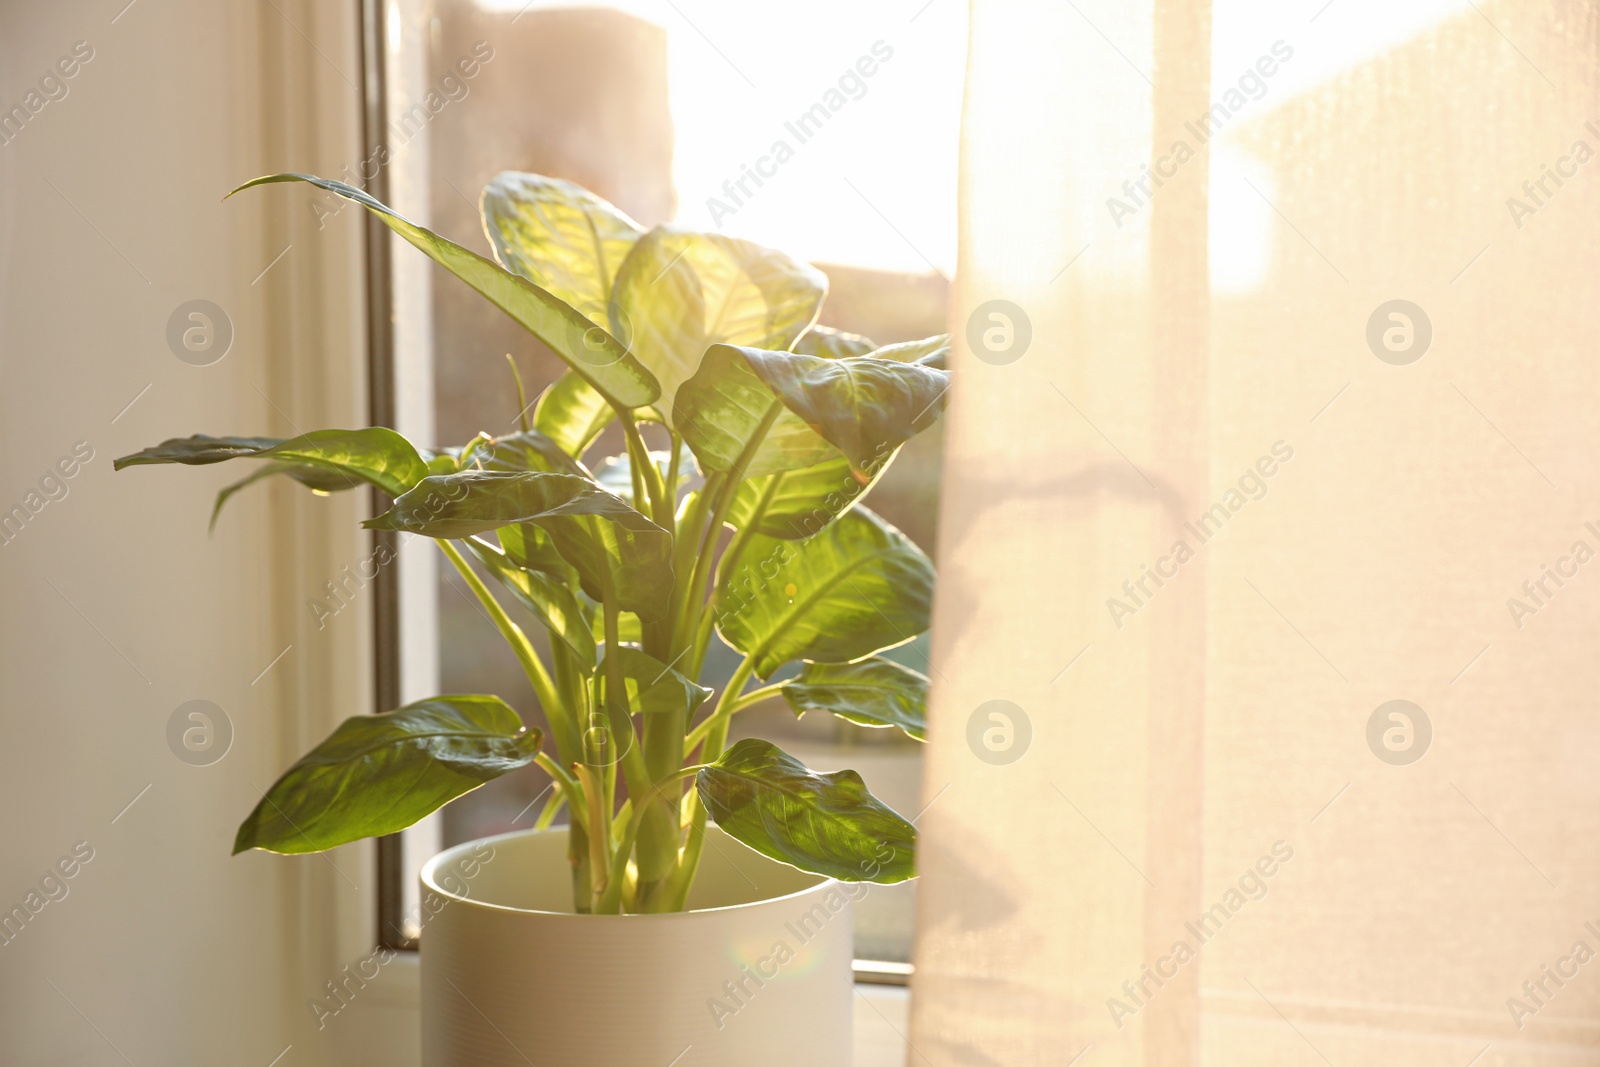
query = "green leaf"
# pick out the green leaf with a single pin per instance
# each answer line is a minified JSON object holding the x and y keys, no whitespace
{"x":377,"y":774}
{"x":318,"y":481}
{"x":857,"y":587}
{"x":652,"y":686}
{"x":862,"y":406}
{"x":551,"y":602}
{"x":590,"y":351}
{"x":827,"y":824}
{"x":930,"y":352}
{"x":826,"y":341}
{"x":629,"y":628}
{"x":593,"y":530}
{"x":726,"y":404}
{"x":324,"y":460}
{"x":572,"y":414}
{"x":873,"y":692}
{"x":803,"y":501}
{"x":529,"y":547}
{"x":197,"y":450}
{"x":679,"y":292}
{"x":529,"y":450}
{"x":376,"y":455}
{"x":559,"y":236}
{"x":865,"y":406}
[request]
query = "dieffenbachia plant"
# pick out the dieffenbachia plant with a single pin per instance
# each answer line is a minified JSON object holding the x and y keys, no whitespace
{"x":774,"y":426}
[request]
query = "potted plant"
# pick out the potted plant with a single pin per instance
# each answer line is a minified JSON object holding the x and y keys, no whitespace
{"x":599,"y":944}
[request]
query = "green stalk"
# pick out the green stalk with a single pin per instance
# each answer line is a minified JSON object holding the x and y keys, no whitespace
{"x":748,"y":700}
{"x":552,"y":807}
{"x":695,"y":592}
{"x":610,"y":901}
{"x":572,"y":686}
{"x":532,"y":666}
{"x":673,"y":467}
{"x":522,"y":395}
{"x":616,"y":698}
{"x":652,"y":498}
{"x":599,"y":837}
{"x":726,"y":567}
{"x":568,"y":785}
{"x":677,"y":891}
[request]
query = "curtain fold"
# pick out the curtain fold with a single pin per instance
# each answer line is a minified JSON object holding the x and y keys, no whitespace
{"x":1263,"y":727}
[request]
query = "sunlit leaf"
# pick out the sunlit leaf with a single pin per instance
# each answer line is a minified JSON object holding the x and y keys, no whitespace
{"x":593,"y":353}
{"x":857,"y":587}
{"x":825,"y":341}
{"x":603,"y":538}
{"x":378,"y":774}
{"x":560,"y":236}
{"x":679,"y":292}
{"x":572,"y":414}
{"x":873,"y":692}
{"x":827,"y":824}
{"x":797,"y":504}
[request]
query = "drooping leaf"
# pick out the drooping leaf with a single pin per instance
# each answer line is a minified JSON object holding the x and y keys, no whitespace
{"x":377,"y":774}
{"x":861,"y":406}
{"x":559,"y":236}
{"x":572,"y":414}
{"x":531,"y":548}
{"x":653,"y":687}
{"x":590,"y":351}
{"x":551,"y":602}
{"x":874,"y":692}
{"x":797,"y":504}
{"x":312,"y":478}
{"x":826,"y":341}
{"x":679,"y":292}
{"x":857,"y":587}
{"x":529,"y":450}
{"x":199,"y":449}
{"x":865,"y":406}
{"x":827,"y":824}
{"x":930,"y":352}
{"x":726,"y":405}
{"x":603,"y":538}
{"x":375,"y":455}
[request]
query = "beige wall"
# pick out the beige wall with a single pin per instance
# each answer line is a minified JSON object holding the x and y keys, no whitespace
{"x":117,"y":606}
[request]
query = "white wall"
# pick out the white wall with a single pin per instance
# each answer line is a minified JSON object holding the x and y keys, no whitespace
{"x":115,"y":605}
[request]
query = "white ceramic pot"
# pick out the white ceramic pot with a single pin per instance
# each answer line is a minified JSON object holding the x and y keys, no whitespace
{"x":756,"y":972}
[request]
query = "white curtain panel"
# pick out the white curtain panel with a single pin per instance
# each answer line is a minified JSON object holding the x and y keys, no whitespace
{"x":1265,"y":726}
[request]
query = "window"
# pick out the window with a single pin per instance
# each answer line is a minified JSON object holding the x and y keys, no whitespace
{"x":832,"y":136}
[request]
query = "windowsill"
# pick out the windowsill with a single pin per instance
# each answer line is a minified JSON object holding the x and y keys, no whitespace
{"x":379,"y":1029}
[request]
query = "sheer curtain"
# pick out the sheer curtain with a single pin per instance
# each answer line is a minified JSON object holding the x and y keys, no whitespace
{"x":1264,"y":727}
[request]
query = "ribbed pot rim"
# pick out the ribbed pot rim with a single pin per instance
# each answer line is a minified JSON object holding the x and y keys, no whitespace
{"x":455,"y":851}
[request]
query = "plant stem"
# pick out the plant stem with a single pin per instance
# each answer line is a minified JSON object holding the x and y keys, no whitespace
{"x":532,"y":666}
{"x":686,"y":539}
{"x":567,"y":784}
{"x":619,"y":861}
{"x":616,"y":697}
{"x":673,"y":467}
{"x":677,"y":891}
{"x":695,"y":592}
{"x":522,"y":395}
{"x":748,"y":700}
{"x":548,"y":813}
{"x":652,"y":499}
